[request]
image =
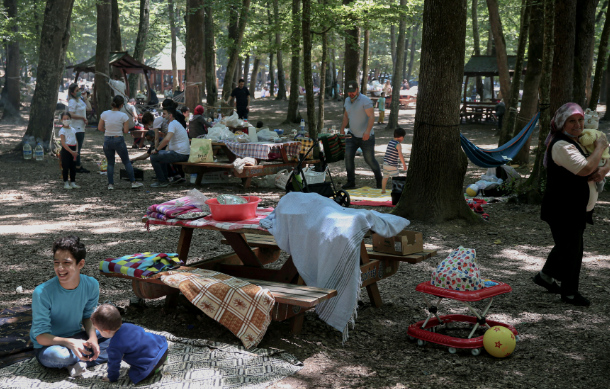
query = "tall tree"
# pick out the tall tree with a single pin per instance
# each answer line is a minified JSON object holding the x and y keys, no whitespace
{"x":235,"y":49}
{"x":412,"y":51}
{"x":102,"y":55}
{"x":529,"y":101}
{"x":293,"y":115}
{"x":246,"y":69}
{"x":502,"y":59}
{"x":173,"y":32}
{"x":271,"y":68}
{"x":408,"y":35}
{"x":352,"y":50}
{"x":393,"y":43}
{"x":365,"y":62}
{"x":210,"y":56}
{"x":141,"y":42}
{"x":335,"y":80}
{"x":54,"y":39}
{"x":12,"y":92}
{"x":255,"y":68}
{"x":534,"y":184}
{"x":476,"y":42}
{"x":281,"y":78}
{"x":512,"y":102}
{"x":583,"y":47}
{"x":194,"y":60}
{"x":116,"y":43}
{"x":601,"y":61}
{"x":324,"y":78}
{"x":433,"y":189}
{"x":396,"y":81}
{"x":562,"y":80}
{"x":307,"y":73}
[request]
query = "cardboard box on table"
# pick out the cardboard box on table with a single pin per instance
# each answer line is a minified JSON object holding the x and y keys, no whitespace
{"x":406,"y":242}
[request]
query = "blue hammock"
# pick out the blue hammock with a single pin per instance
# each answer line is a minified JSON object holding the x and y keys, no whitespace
{"x":503,"y":154}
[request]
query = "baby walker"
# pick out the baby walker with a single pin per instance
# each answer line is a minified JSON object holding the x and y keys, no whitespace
{"x":425,"y":330}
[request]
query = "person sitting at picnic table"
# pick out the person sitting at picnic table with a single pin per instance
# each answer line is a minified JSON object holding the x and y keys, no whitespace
{"x":118,"y":85}
{"x":150,"y":137}
{"x":569,"y":200}
{"x":187,"y":114}
{"x":387,"y":88}
{"x":152,"y":97}
{"x":198,"y":126}
{"x":171,"y":104}
{"x":62,"y":333}
{"x":405,"y":85}
{"x":179,"y":149}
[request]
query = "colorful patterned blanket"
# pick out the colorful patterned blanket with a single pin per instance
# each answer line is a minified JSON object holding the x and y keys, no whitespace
{"x":261,"y":213}
{"x":143,"y":265}
{"x":243,"y":308}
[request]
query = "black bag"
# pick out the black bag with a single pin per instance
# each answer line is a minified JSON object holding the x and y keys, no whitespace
{"x":398,"y":184}
{"x":138,"y":173}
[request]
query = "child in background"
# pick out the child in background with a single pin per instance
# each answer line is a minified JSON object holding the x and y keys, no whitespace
{"x":143,"y":351}
{"x":259,"y":124}
{"x":69,"y":151}
{"x":390,"y":160}
{"x":381,"y":107}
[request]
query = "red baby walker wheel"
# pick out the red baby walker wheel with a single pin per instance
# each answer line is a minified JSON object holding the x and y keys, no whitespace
{"x":425,"y":330}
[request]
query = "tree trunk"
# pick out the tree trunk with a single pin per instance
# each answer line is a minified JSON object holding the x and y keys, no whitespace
{"x":102,"y":55}
{"x":365,"y":63}
{"x":412,"y":51}
{"x":235,"y":49}
{"x":54,"y":39}
{"x":506,"y":132}
{"x":253,"y":78}
{"x":562,"y":80}
{"x":293,"y":115}
{"x":352,"y":50}
{"x":141,"y":41}
{"x":307,"y":73}
{"x":116,"y":43}
{"x":584,"y":41}
{"x":281,"y":78}
{"x":477,"y":45}
{"x":323,"y":79}
{"x":393,"y":43}
{"x":433,"y":189}
{"x":534,"y":184}
{"x":529,"y":101}
{"x":396,"y":81}
{"x":246,"y":70}
{"x":335,"y":79}
{"x":271,"y":69}
{"x":602,"y":54}
{"x":210,"y":57}
{"x":408,"y":34}
{"x":172,"y":27}
{"x":498,"y":35}
{"x":194,"y":53}
{"x":12,"y":96}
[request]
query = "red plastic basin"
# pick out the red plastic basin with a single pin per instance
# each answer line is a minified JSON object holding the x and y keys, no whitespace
{"x":234,"y":212}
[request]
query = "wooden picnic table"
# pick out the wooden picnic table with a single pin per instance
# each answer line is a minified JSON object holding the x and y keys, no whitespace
{"x":476,"y":111}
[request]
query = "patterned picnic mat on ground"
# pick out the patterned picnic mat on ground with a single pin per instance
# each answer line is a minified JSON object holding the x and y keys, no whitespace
{"x":243,"y":308}
{"x":142,"y":265}
{"x":366,"y":193}
{"x":191,"y":363}
{"x":15,"y":343}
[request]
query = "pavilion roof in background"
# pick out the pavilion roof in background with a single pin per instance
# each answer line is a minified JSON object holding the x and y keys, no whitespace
{"x":487,"y":65}
{"x":118,"y":59}
{"x":163,"y":60}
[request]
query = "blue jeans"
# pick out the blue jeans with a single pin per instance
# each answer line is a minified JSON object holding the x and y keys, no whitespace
{"x":368,"y":152}
{"x":59,"y":356}
{"x":117,"y":144}
{"x":160,"y":160}
{"x":80,"y":138}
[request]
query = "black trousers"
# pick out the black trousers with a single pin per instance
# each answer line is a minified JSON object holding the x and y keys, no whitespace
{"x":242,"y":112}
{"x":68,"y":163}
{"x":565,"y":259}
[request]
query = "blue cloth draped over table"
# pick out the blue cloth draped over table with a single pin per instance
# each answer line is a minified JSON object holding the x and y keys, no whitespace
{"x":503,"y":154}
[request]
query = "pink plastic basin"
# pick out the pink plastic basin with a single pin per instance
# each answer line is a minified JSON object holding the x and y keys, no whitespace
{"x":234,"y":212}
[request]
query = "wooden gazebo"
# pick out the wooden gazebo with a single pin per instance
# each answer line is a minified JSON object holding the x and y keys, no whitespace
{"x":120,"y":60}
{"x":487,"y":66}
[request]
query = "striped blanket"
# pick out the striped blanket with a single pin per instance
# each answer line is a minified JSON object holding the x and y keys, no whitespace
{"x":143,"y":265}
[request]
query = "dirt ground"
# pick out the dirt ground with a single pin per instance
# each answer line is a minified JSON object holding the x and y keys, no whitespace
{"x":511,"y":247}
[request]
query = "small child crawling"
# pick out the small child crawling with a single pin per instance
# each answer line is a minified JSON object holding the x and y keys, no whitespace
{"x":143,"y":351}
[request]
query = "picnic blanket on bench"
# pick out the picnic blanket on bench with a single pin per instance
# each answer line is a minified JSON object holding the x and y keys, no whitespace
{"x":324,"y":240}
{"x":243,"y":308}
{"x":143,"y":265}
{"x":191,"y":363}
{"x":253,"y":223}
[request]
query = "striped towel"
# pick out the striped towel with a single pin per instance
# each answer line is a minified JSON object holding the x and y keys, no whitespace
{"x":142,"y":265}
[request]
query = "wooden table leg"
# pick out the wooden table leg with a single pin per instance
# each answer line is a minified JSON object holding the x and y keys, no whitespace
{"x":372,"y":289}
{"x":239,"y":244}
{"x":296,"y":323}
{"x":199,"y":178}
{"x":246,"y":182}
{"x":184,"y":243}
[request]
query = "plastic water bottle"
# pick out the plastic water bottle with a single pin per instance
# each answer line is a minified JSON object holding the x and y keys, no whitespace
{"x":39,"y":152}
{"x":302,"y":132}
{"x":27,"y":151}
{"x":246,"y":123}
{"x":193,"y":178}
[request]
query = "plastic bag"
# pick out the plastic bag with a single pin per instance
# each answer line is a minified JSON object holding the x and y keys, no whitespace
{"x":266,"y":135}
{"x":219,"y":132}
{"x":281,"y":179}
{"x":242,"y":138}
{"x":201,"y":151}
{"x":198,"y":199}
{"x":233,"y":121}
{"x":591,"y":119}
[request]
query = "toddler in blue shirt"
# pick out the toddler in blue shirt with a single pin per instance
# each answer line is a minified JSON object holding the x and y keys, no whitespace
{"x":143,"y":351}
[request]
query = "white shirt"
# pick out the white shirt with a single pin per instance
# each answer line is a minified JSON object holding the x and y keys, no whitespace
{"x":159,"y":123}
{"x":180,"y":140}
{"x":113,"y":122}
{"x":79,"y":108}
{"x":567,"y":155}
{"x":130,"y":111}
{"x":118,"y":85}
{"x":69,"y":134}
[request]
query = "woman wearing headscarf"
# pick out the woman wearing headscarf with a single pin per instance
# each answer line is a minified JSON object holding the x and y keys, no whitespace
{"x":198,"y":126}
{"x":568,"y":202}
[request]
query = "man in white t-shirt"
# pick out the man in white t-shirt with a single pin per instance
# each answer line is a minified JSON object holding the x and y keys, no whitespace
{"x":179,"y":148}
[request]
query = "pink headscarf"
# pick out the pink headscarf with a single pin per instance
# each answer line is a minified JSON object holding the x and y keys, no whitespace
{"x":558,"y":121}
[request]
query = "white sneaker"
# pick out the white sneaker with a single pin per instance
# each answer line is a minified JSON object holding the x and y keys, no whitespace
{"x":135,"y":185}
{"x":75,"y":186}
{"x":77,"y":369}
{"x":67,"y":185}
{"x":110,"y":187}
